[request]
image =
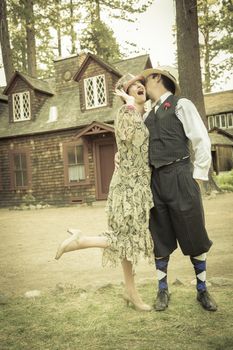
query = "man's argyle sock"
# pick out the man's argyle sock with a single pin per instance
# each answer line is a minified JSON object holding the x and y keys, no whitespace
{"x":161,"y":268}
{"x":199,"y":264}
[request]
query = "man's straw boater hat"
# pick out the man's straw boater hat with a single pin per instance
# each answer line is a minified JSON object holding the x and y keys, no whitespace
{"x":167,"y":71}
{"x":127,"y":80}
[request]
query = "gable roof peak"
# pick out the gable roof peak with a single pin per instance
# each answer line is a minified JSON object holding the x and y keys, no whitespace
{"x":100,"y":61}
{"x":34,"y":83}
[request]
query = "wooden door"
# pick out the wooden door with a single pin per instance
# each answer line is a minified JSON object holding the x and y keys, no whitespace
{"x":104,"y":158}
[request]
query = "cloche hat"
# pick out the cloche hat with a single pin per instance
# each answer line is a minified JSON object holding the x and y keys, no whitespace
{"x":127,"y":80}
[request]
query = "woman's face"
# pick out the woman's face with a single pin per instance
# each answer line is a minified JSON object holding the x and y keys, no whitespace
{"x":138,"y":91}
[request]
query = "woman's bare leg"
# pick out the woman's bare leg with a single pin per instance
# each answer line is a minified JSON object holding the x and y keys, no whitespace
{"x":76,"y":242}
{"x":131,"y":294}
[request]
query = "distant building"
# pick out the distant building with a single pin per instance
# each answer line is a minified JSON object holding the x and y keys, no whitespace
{"x":219,"y":110}
{"x":57,"y":136}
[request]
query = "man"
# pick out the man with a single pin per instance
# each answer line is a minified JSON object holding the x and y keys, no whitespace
{"x":178,"y":214}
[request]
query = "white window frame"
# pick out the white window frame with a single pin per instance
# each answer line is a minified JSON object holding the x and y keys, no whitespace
{"x":225,"y":118}
{"x":95,"y":90}
{"x":211,"y":120}
{"x":219,"y":116}
{"x":20,"y":95}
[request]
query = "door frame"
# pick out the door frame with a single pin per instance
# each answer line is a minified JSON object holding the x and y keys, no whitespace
{"x":96,"y":144}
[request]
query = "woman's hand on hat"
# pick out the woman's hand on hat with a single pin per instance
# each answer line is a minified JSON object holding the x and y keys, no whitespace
{"x":130,"y":100}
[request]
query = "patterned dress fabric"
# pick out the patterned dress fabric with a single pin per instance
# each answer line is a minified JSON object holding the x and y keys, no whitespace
{"x":130,"y":199}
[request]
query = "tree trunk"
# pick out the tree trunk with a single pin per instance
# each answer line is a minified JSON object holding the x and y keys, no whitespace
{"x":59,"y":41}
{"x":31,"y":40}
{"x":206,"y":34}
{"x":207,"y":82}
{"x":5,"y":42}
{"x":72,"y":31}
{"x":189,"y":62}
{"x":189,"y":54}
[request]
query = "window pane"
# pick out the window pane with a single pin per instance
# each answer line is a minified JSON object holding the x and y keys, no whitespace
{"x":217,"y":121}
{"x":230,"y":120}
{"x":25,"y":106}
{"x":24,"y":178}
{"x":16,"y":105}
{"x":79,"y":154}
{"x":71,"y":155}
{"x":101,"y":97}
{"x":76,"y":173}
{"x":18,"y":178}
{"x":20,"y":169}
{"x":23,"y":161}
{"x":89,"y":84}
{"x":223,"y":120}
{"x":211,"y":122}
{"x":17,"y":161}
{"x":81,"y":171}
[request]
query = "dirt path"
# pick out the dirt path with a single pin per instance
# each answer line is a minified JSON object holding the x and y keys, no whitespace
{"x":29,"y":240}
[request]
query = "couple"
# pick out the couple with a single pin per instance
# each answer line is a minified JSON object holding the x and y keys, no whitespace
{"x":157,"y":198}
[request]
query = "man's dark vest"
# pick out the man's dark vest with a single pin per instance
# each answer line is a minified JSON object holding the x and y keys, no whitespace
{"x":168,"y":141}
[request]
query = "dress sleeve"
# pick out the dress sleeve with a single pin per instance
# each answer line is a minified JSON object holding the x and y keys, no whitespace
{"x":126,"y":121}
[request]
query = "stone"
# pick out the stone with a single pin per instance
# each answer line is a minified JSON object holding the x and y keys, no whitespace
{"x":177,"y":282}
{"x":32,"y":294}
{"x":3,"y":299}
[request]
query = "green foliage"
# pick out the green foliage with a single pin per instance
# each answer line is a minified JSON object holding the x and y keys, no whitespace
{"x":215,"y":19}
{"x":56,"y":19}
{"x":99,"y":39}
{"x":17,"y":27}
{"x":225,"y":180}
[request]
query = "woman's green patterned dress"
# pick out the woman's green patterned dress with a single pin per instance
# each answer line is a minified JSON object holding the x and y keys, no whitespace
{"x":130,"y":199}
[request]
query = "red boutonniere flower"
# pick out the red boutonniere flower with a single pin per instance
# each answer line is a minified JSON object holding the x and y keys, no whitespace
{"x":166,"y":105}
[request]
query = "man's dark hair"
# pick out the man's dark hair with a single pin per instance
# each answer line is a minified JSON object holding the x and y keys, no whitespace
{"x":167,"y":83}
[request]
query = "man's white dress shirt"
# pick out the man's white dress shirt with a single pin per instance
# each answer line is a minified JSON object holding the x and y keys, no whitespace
{"x":195,"y":131}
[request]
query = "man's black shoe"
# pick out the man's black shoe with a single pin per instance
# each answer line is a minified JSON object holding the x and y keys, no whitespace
{"x":206,"y":301}
{"x":162,"y":299}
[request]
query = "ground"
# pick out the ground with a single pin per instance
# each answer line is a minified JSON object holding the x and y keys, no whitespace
{"x":29,"y":240}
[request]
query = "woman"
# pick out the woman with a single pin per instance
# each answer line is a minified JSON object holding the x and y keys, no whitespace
{"x":129,"y":200}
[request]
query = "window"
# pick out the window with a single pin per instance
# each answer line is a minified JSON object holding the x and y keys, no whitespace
{"x":21,"y":106}
{"x":211,"y":121}
{"x":20,"y":177}
{"x":223,"y":120}
{"x":230,"y":120}
{"x":217,"y":121}
{"x":76,"y":169}
{"x":95,"y":92}
{"x":76,"y":163}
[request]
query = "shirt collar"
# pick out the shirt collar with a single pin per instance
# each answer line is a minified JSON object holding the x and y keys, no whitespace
{"x":161,"y":99}
{"x":165,"y":96}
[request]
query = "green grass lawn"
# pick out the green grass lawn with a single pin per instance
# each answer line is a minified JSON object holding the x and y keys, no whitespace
{"x":70,"y":318}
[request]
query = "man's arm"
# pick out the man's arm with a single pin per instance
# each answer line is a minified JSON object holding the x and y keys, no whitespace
{"x":196,"y":132}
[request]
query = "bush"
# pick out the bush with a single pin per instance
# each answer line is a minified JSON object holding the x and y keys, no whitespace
{"x":225,"y":180}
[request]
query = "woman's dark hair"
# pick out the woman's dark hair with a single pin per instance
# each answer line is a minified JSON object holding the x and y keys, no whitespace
{"x":167,"y":83}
